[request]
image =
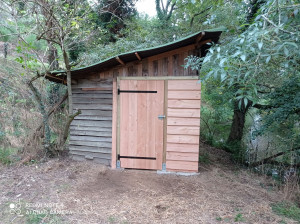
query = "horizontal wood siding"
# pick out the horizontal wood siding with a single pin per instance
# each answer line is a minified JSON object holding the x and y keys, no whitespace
{"x":183,"y":125}
{"x":91,"y":131}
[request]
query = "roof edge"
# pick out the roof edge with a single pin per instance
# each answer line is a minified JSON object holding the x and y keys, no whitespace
{"x":219,"y":29}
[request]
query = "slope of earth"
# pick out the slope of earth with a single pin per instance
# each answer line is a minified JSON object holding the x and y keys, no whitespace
{"x":65,"y":191}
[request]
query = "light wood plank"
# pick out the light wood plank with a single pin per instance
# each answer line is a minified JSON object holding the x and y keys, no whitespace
{"x":175,"y":147}
{"x":183,"y":130}
{"x":132,"y":163}
{"x":182,"y":156}
{"x":188,"y":139}
{"x":181,"y":171}
{"x":184,"y":85}
{"x":141,"y":130}
{"x":184,"y":121}
{"x":114,"y":127}
{"x":182,"y":165}
{"x":184,"y":95}
{"x":179,"y":112}
{"x":193,"y":104}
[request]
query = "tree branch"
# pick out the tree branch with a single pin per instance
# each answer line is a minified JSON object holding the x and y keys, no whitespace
{"x":270,"y":158}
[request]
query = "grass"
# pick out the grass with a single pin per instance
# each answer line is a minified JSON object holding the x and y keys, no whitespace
{"x":5,"y":156}
{"x":286,"y":209}
{"x":239,"y":218}
{"x":204,"y":158}
{"x":42,"y":218}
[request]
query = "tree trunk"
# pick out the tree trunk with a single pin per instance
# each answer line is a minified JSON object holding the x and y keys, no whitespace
{"x":42,"y":108}
{"x":52,"y":57}
{"x":238,"y":123}
{"x":69,"y":84}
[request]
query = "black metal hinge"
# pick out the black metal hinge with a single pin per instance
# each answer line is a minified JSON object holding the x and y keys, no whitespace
{"x":135,"y":157}
{"x":135,"y":91}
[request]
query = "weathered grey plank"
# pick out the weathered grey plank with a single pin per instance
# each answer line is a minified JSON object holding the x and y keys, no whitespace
{"x":89,"y":128}
{"x":77,"y":100}
{"x":80,"y":91}
{"x":77,"y":157}
{"x":93,"y":118}
{"x":85,"y":83}
{"x":87,"y":143}
{"x":92,"y":95}
{"x":92,"y":133}
{"x":102,"y":161}
{"x":89,"y":149}
{"x":103,"y":113}
{"x":92,"y":106}
{"x":90,"y":138}
{"x":97,"y":160}
{"x":85,"y":123}
{"x":92,"y":154}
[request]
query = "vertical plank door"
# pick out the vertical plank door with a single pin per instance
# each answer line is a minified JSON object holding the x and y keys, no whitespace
{"x":141,"y":132}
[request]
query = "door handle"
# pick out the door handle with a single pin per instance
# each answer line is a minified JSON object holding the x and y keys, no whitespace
{"x":161,"y":117}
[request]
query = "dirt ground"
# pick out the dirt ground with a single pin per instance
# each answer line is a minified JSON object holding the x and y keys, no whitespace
{"x":65,"y":191}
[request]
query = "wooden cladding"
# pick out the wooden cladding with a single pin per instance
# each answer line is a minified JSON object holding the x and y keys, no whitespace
{"x":141,"y":132}
{"x":166,"y":64}
{"x":108,"y":124}
{"x":91,"y":131}
{"x":183,"y":125}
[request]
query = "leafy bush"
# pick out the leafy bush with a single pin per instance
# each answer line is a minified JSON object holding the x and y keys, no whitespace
{"x":5,"y":156}
{"x":286,"y":209}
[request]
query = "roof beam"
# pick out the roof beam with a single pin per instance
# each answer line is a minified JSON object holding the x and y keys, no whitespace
{"x":138,"y":56}
{"x":55,"y":77}
{"x":120,"y":61}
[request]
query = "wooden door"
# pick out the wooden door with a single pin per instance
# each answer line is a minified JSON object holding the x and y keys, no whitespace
{"x":141,"y":132}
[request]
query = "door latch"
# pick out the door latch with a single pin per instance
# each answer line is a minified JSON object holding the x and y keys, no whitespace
{"x":161,"y":117}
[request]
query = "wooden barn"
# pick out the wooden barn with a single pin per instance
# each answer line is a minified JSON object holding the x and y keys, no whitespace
{"x":140,"y":109}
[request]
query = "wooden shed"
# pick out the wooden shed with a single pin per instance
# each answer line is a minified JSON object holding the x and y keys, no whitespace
{"x":140,"y":109}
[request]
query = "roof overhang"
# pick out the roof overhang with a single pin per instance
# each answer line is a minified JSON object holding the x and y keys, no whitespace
{"x":200,"y":39}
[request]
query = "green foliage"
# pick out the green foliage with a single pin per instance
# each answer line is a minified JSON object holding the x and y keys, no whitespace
{"x":237,"y":151}
{"x":284,"y":103}
{"x":260,"y":66}
{"x":239,"y":218}
{"x":204,"y":158}
{"x":112,"y":16}
{"x":7,"y":155}
{"x":4,"y":156}
{"x":42,"y":218}
{"x":219,"y":219}
{"x":261,"y":56}
{"x":287,"y":209}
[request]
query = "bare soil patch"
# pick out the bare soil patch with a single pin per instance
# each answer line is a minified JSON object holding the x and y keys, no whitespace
{"x":91,"y":193}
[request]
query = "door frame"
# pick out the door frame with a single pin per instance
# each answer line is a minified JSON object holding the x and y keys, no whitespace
{"x":116,"y":114}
